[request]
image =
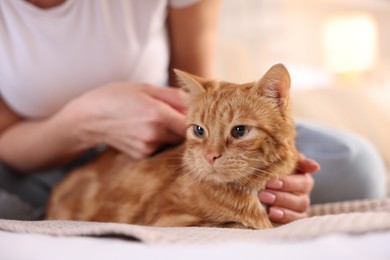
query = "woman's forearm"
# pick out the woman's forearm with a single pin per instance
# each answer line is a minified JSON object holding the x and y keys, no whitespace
{"x":42,"y":144}
{"x":193,"y":35}
{"x":136,"y":119}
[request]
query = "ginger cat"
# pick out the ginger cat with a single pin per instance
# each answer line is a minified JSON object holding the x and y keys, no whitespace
{"x":238,"y":137}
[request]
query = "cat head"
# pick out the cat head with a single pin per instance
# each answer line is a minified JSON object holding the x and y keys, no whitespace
{"x":239,"y":133}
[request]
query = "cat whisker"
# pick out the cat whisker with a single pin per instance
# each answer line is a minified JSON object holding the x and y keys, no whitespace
{"x":241,"y":176}
{"x":195,"y":177}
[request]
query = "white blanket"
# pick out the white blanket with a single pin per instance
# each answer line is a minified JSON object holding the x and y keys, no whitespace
{"x":354,"y":235}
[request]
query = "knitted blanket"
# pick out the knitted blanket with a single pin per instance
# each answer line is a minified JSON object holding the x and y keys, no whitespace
{"x":354,"y":218}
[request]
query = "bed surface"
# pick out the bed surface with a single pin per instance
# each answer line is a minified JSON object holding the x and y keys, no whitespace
{"x":349,"y":230}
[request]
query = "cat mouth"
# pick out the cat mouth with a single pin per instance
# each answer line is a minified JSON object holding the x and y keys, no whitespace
{"x":219,"y":175}
{"x":211,"y":174}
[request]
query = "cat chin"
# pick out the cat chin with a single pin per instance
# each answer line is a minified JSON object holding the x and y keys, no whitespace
{"x":217,"y":177}
{"x":222,"y":175}
{"x":212,"y":177}
{"x":231,"y":184}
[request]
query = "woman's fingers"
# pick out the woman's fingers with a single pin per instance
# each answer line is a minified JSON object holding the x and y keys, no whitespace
{"x":166,"y":115}
{"x":296,"y":183}
{"x":306,"y":165}
{"x":283,"y":215}
{"x":139,"y":149}
{"x":298,"y":203}
{"x":174,"y":97}
{"x":288,"y":198}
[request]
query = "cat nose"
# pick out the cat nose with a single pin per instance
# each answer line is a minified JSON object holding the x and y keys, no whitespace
{"x":212,"y":157}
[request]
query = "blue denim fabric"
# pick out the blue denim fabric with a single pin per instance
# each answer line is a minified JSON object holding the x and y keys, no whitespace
{"x":351,"y":168}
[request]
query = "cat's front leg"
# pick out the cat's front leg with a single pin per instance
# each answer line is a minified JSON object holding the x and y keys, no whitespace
{"x":234,"y":225}
{"x":261,"y":223}
{"x":257,"y":217}
{"x":176,"y":220}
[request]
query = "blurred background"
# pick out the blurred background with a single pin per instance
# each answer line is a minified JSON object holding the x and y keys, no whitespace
{"x":321,"y":41}
{"x":337,"y":52}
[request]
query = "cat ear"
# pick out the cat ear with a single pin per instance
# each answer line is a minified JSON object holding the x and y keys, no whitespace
{"x":191,"y":84}
{"x":276,"y":84}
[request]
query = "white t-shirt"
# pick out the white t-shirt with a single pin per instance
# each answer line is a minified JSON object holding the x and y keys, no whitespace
{"x":49,"y":56}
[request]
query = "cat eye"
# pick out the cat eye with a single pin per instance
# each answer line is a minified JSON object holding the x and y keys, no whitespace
{"x":198,"y":131}
{"x":239,"y":131}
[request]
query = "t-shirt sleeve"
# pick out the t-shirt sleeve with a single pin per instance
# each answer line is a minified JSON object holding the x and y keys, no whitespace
{"x":181,"y":3}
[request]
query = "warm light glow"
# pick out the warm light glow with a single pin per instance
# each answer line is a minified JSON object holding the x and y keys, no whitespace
{"x":350,"y":42}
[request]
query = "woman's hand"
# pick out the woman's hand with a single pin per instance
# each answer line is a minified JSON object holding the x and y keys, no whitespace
{"x":288,"y":198}
{"x":136,"y":119}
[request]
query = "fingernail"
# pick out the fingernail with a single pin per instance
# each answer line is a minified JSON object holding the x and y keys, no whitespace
{"x":275,"y":184}
{"x":313,"y":165}
{"x":267,"y":197}
{"x":275,"y":213}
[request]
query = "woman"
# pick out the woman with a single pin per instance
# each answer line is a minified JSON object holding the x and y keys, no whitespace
{"x":80,"y":74}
